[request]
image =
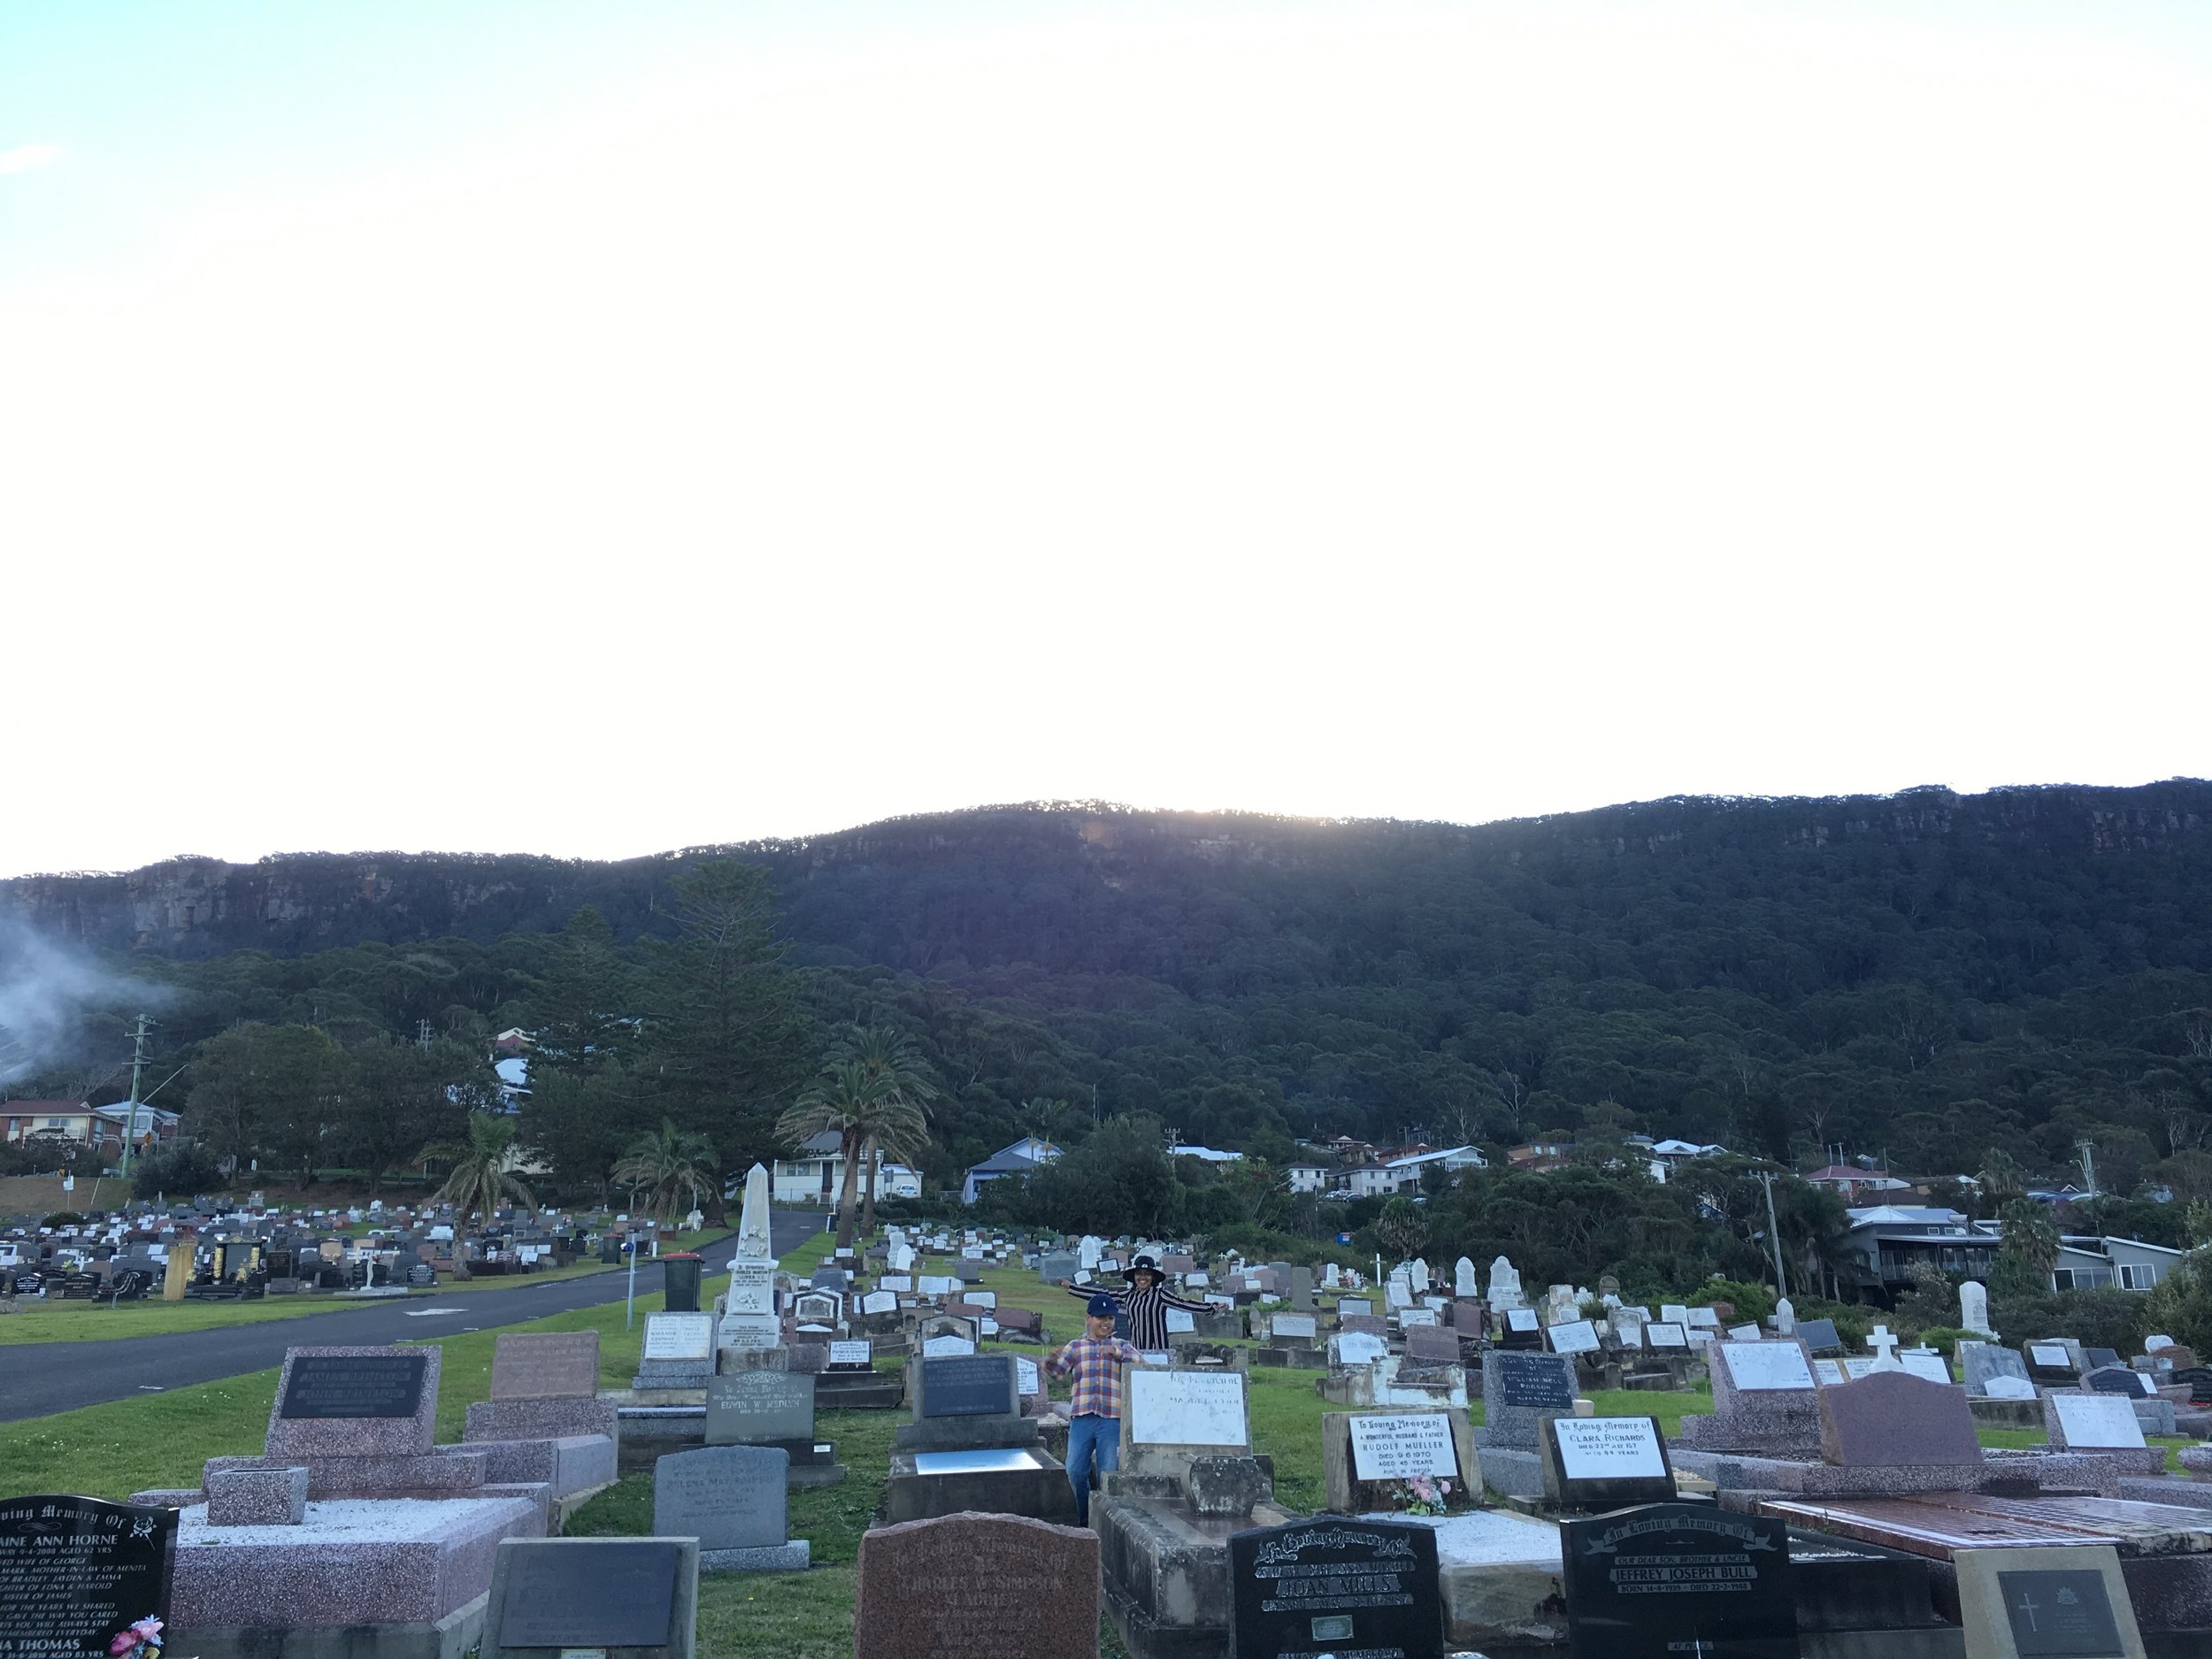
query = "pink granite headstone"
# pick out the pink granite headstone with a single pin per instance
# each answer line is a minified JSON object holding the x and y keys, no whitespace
{"x":1891,"y":1418}
{"x":356,"y":1402}
{"x":1001,"y":1584}
{"x":546,"y":1365}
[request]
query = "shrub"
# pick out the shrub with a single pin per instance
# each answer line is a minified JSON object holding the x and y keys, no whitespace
{"x":1945,"y":1339}
{"x":1753,"y":1303}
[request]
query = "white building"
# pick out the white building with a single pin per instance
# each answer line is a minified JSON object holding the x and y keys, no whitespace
{"x":1309,"y":1177}
{"x":1024,"y":1158}
{"x":815,"y":1174}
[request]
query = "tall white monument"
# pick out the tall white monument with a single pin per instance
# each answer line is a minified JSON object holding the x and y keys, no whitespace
{"x":749,"y":1319}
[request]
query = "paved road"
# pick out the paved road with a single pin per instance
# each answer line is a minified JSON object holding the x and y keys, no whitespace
{"x":40,"y":1377}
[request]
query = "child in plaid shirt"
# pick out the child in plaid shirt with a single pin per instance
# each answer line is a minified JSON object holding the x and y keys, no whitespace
{"x":1094,"y":1406}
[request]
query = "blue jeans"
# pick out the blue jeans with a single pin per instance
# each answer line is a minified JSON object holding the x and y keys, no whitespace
{"x":1093,"y":1443}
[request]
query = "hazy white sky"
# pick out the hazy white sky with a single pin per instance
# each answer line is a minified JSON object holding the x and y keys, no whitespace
{"x":591,"y":431}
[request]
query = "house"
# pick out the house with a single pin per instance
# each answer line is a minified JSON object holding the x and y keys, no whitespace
{"x":1673,"y":1152}
{"x":1854,"y":1182}
{"x":1540,"y":1154}
{"x":1452,"y":1160}
{"x":1887,"y":1240}
{"x":1403,"y":1174}
{"x":1205,"y":1155}
{"x":1308,"y":1177}
{"x":814,"y":1173}
{"x":2089,"y":1262}
{"x":100,"y":1129}
{"x":1024,"y":1158}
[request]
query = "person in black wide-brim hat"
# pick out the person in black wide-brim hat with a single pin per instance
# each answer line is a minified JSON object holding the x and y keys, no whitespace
{"x":1145,"y":1300}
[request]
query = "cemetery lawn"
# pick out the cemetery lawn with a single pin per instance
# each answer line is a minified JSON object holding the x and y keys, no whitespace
{"x":162,"y":1439}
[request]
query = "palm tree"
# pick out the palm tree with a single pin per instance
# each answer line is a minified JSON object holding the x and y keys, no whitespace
{"x":479,"y":1179}
{"x":670,"y":1166}
{"x":859,"y":1104}
{"x":887,"y":1053}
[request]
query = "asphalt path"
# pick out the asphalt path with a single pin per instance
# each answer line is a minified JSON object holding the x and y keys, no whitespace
{"x":40,"y":1377}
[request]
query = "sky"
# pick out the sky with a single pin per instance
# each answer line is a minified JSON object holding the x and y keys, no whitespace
{"x":526,"y":426}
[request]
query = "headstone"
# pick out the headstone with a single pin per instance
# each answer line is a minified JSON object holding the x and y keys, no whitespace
{"x":1785,"y":1318}
{"x":593,"y":1595}
{"x":1820,"y":1336}
{"x":1505,"y":1286}
{"x":1401,"y":1446}
{"x":1463,"y":1283}
{"x":2091,"y":1423}
{"x":355,"y":1403}
{"x":1185,"y":1408}
{"x":1605,"y":1463}
{"x":1674,"y":1581}
{"x":1574,"y":1336}
{"x":1519,"y":1391}
{"x":77,"y":1574}
{"x":2050,"y":1362}
{"x":999,"y":1584}
{"x":1661,"y":1333}
{"x":1355,"y":1307}
{"x":1891,"y":1418}
{"x":1431,"y":1345}
{"x":1974,"y":1309}
{"x":1355,"y":1348}
{"x":2117,"y":1380}
{"x":733,"y":1500}
{"x":2049,"y":1603}
{"x":1926,"y":1364}
{"x":1335,"y":1585}
{"x":760,"y":1408}
{"x":1744,"y":1333}
{"x":545,"y":1365}
{"x":1982,"y":1363}
{"x":1765,"y":1367}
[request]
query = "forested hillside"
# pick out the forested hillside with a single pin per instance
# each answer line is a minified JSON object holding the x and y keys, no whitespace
{"x":1928,"y":975}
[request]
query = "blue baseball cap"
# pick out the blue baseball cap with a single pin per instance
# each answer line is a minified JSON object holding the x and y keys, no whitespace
{"x":1103,"y":1306}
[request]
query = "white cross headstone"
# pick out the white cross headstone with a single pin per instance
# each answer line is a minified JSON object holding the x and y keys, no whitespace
{"x":1884,"y":1346}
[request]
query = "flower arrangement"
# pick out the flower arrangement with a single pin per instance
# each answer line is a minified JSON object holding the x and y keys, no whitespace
{"x":1425,"y":1495}
{"x":142,"y":1641}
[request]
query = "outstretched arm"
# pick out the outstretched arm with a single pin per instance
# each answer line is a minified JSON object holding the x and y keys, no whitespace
{"x":1084,"y":1292}
{"x":1174,"y":1300}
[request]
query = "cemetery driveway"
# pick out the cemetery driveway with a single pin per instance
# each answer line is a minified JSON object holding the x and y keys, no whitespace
{"x":37,"y":1378}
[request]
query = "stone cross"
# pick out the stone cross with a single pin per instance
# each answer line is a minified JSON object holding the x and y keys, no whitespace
{"x":1884,"y":1346}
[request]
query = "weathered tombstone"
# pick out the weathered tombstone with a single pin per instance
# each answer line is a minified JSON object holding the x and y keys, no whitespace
{"x":2081,"y":1422}
{"x":1333,"y":1585}
{"x":1974,"y":1309}
{"x":1605,"y":1463}
{"x":1002,"y":1584}
{"x":1762,"y":1401}
{"x":1926,"y":1364}
{"x":640,"y":1595}
{"x":1984,"y":1363}
{"x":545,"y":1365}
{"x":77,"y":1574}
{"x":734,"y":1498}
{"x":1519,"y":1391}
{"x":761,"y":1408}
{"x":1431,"y":1345}
{"x":2049,"y":1603}
{"x":1359,"y":1449}
{"x":1463,"y":1285}
{"x":1665,"y":1333}
{"x":356,"y":1402}
{"x":1574,"y":1336}
{"x":2051,"y":1362}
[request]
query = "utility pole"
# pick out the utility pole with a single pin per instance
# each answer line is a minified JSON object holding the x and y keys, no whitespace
{"x":1774,"y":1234}
{"x":138,"y":1063}
{"x":422,"y":1034}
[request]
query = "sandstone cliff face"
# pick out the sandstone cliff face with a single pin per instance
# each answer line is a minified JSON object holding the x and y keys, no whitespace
{"x":294,"y":904}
